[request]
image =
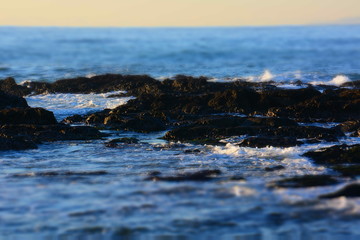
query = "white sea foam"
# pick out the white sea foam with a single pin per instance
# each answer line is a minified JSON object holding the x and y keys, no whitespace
{"x":65,"y":104}
{"x":336,"y":81}
{"x":266,"y":76}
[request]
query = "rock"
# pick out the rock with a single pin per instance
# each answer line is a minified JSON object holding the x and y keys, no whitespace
{"x":11,"y":101}
{"x":339,"y":154}
{"x":50,"y":133}
{"x":74,"y":119}
{"x":355,"y":84}
{"x":17,"y":143}
{"x":60,"y":174}
{"x":203,"y":175}
{"x":114,"y":142}
{"x":275,"y":168}
{"x":350,"y":126}
{"x":261,"y":142}
{"x":304,"y":181}
{"x":37,"y":116}
{"x":351,"y":190}
{"x":9,"y":86}
{"x":331,"y":106}
{"x":348,"y":170}
{"x":199,"y":132}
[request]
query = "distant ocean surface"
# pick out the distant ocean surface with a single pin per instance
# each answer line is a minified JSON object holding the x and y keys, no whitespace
{"x":307,"y":53}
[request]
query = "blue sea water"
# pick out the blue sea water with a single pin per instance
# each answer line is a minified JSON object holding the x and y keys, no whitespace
{"x":76,"y":203}
{"x":308,"y":53}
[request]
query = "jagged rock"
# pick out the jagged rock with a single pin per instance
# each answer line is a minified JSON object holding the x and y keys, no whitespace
{"x":11,"y":101}
{"x":304,"y":181}
{"x":203,"y":175}
{"x":351,"y":190}
{"x":9,"y":86}
{"x":336,"y":155}
{"x":17,"y":143}
{"x":38,"y":116}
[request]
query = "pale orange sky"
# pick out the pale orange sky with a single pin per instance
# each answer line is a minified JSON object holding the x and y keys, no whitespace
{"x":176,"y":12}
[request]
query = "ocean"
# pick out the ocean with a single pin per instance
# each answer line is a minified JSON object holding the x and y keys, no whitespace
{"x":307,"y":53}
{"x":77,"y":203}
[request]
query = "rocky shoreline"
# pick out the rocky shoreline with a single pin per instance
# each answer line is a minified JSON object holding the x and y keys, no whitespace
{"x":198,"y":111}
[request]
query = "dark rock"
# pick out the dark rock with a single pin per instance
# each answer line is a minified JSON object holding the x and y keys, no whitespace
{"x":236,"y":178}
{"x":50,"y":133}
{"x":114,"y":142}
{"x":192,"y":151}
{"x":261,"y":142}
{"x":348,"y":170}
{"x":350,"y":126}
{"x":73,"y":119}
{"x":339,"y":154}
{"x":11,"y":101}
{"x":17,"y":143}
{"x":203,"y":175}
{"x":60,"y":174}
{"x":38,"y":116}
{"x":355,"y":84}
{"x":275,"y":168}
{"x":352,"y":190}
{"x":304,"y":181}
{"x":198,"y":132}
{"x":332,"y":106}
{"x":9,"y":86}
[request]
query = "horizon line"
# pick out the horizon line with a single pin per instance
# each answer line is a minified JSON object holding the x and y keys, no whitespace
{"x":184,"y":26}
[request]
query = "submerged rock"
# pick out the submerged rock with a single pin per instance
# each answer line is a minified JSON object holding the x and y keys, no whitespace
{"x":261,"y":142}
{"x":114,"y":142}
{"x":304,"y":181}
{"x":336,"y":155}
{"x":347,"y":170}
{"x":351,"y":190}
{"x":203,"y":175}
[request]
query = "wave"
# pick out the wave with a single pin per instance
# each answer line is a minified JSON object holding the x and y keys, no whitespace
{"x":66,"y":104}
{"x":336,"y":81}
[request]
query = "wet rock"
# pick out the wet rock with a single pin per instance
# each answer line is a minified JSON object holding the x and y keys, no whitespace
{"x":199,"y":132}
{"x":348,"y":170}
{"x":203,"y":175}
{"x":61,"y":174}
{"x":9,"y":86}
{"x":339,"y":154}
{"x":304,"y":181}
{"x":17,"y":143}
{"x":275,"y":168}
{"x":50,"y":133}
{"x":96,"y":84}
{"x":114,"y":142}
{"x":38,"y":116}
{"x":236,"y":178}
{"x":261,"y":142}
{"x":354,"y":84}
{"x":11,"y":101}
{"x":331,"y":106}
{"x":192,"y":151}
{"x":351,"y":190}
{"x":74,"y":119}
{"x":350,"y":126}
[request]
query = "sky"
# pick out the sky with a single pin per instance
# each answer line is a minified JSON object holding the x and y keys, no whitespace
{"x":143,"y":13}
